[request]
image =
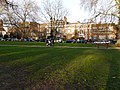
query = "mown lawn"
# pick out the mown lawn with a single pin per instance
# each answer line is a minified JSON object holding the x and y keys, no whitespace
{"x":44,"y":44}
{"x":41,"y":68}
{"x":21,"y":43}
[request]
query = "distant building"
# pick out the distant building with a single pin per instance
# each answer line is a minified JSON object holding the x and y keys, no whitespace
{"x":25,"y":30}
{"x":90,"y":31}
{"x":2,"y":30}
{"x":103,"y":31}
{"x":67,"y":30}
{"x":57,"y":26}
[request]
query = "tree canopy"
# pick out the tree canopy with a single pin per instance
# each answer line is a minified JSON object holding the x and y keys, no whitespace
{"x":107,"y":9}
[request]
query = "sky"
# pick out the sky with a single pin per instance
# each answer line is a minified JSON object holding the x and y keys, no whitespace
{"x":75,"y":12}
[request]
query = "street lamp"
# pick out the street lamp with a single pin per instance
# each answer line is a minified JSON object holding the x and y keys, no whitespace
{"x":51,"y":29}
{"x":51,"y":32}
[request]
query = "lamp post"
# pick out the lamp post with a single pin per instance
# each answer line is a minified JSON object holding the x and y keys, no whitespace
{"x":51,"y":28}
{"x":51,"y":32}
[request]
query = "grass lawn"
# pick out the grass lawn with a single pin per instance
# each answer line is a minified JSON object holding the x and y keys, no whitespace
{"x":21,"y":43}
{"x":44,"y":44}
{"x":41,"y":68}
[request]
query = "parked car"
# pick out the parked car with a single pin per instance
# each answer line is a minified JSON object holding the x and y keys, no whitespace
{"x":29,"y":40}
{"x":81,"y":41}
{"x":14,"y":39}
{"x":58,"y":40}
{"x":1,"y":39}
{"x":102,"y":42}
{"x":70,"y":41}
{"x":113,"y":41}
{"x":40,"y":39}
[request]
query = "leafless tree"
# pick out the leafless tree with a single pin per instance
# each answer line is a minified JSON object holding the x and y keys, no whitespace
{"x":4,"y":4}
{"x":23,"y":11}
{"x":53,"y":11}
{"x":107,"y":9}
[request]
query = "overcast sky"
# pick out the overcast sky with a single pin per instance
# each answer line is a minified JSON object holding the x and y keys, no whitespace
{"x":76,"y":14}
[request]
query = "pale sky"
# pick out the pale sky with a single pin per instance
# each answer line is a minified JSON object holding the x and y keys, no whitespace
{"x":76,"y":14}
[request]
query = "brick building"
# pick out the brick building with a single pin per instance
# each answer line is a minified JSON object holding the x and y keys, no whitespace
{"x":90,"y":30}
{"x":2,"y":30}
{"x":69,"y":30}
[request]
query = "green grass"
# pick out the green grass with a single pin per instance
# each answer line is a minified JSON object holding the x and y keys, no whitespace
{"x":25,"y":68}
{"x":21,"y":43}
{"x":75,"y":44}
{"x":43,"y":44}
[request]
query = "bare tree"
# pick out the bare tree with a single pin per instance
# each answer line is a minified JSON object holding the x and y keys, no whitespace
{"x":53,"y":11}
{"x":104,"y":11}
{"x":4,"y":4}
{"x":107,"y":9}
{"x":23,"y":12}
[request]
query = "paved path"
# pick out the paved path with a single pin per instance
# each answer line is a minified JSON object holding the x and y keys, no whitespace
{"x":61,"y":46}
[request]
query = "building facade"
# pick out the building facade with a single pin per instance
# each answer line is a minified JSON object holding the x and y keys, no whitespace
{"x":90,"y":31}
{"x":66,"y":30}
{"x":57,"y":27}
{"x":2,"y":30}
{"x":103,"y":31}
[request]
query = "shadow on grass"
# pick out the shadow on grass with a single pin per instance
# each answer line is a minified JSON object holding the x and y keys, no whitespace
{"x":16,"y":67}
{"x":59,"y":69}
{"x":113,"y":82}
{"x":14,"y":53}
{"x":80,"y":73}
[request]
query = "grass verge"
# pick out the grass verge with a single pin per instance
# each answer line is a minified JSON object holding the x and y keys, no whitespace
{"x":59,"y":68}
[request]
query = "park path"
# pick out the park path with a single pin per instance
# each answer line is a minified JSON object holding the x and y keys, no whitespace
{"x":61,"y":46}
